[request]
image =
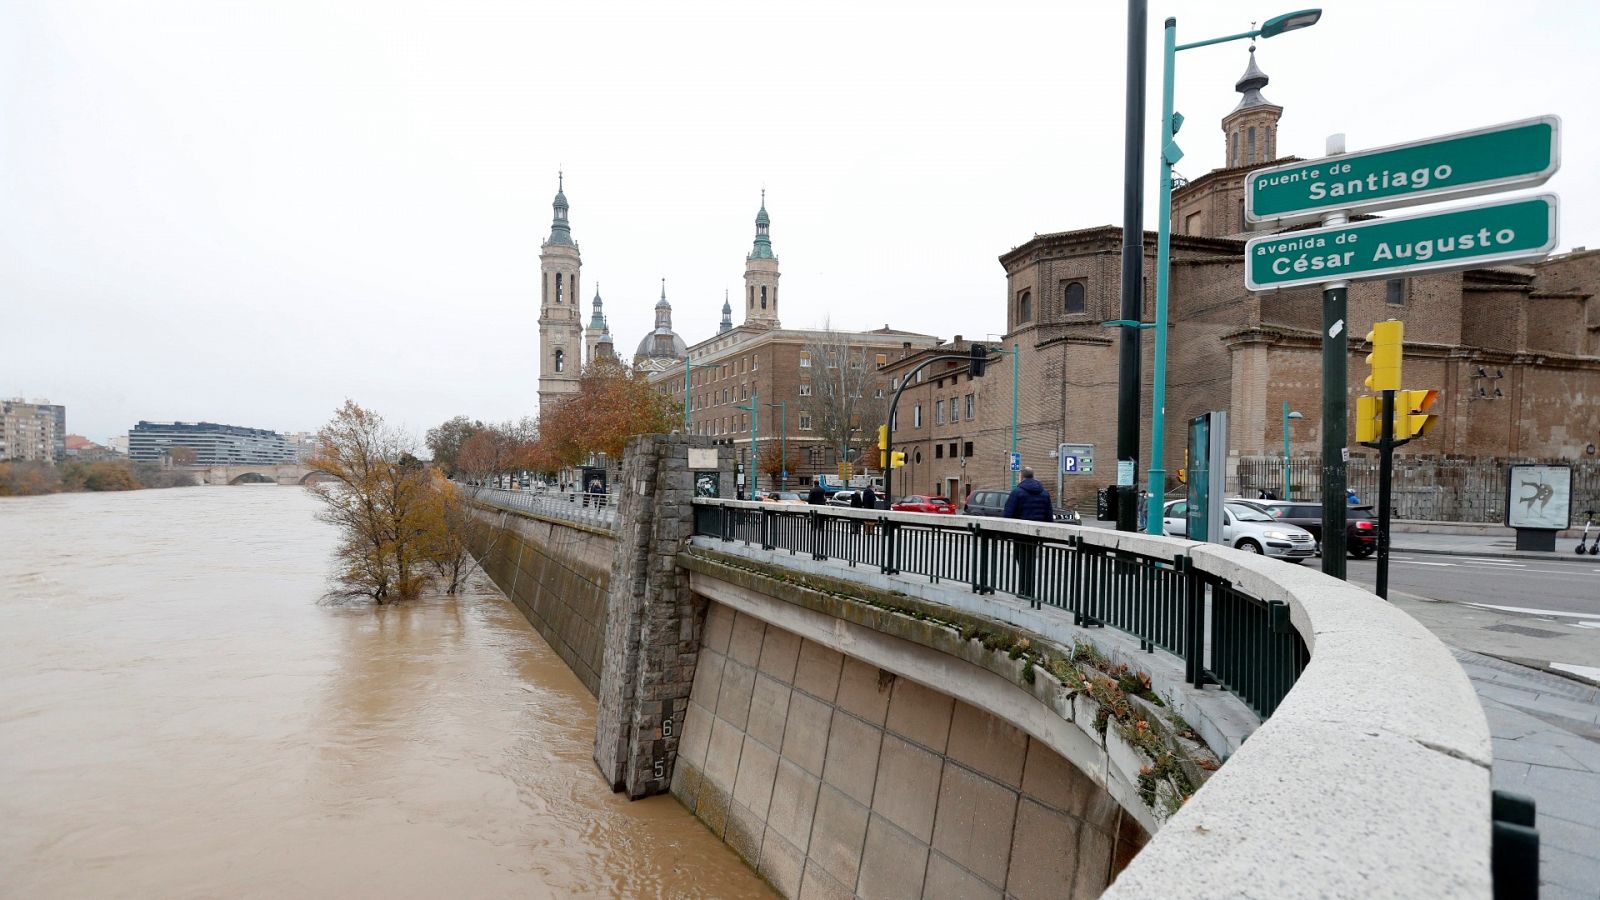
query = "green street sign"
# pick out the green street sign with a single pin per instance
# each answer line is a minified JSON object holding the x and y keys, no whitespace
{"x":1461,"y":238}
{"x":1483,"y":161}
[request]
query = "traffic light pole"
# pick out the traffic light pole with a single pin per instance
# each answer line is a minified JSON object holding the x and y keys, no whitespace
{"x":1385,"y":473}
{"x":1128,"y":377}
{"x":1335,"y":419}
{"x":894,"y":404}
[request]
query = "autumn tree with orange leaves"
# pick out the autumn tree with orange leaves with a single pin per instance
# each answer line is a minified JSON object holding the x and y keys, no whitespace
{"x":772,"y":463}
{"x":609,"y":408}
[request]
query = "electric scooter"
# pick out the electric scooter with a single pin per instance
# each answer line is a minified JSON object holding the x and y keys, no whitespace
{"x":1594,"y":546}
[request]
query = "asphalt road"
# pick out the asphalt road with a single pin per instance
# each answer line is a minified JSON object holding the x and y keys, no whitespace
{"x":1534,"y":587}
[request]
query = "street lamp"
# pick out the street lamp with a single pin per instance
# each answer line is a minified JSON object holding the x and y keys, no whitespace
{"x":783,"y":445}
{"x":1288,"y":491}
{"x":1170,"y":154}
{"x":755,"y":442}
{"x":687,"y":368}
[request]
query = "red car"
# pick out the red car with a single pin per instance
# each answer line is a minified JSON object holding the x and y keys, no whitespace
{"x":917,"y":503}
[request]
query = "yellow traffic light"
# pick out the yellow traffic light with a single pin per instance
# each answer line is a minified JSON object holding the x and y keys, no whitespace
{"x":1412,"y":418}
{"x":1387,"y":340}
{"x":883,"y":437}
{"x":1369,"y":420}
{"x":897,"y":459}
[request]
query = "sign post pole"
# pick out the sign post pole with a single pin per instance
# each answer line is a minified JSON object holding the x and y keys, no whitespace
{"x":1385,"y":474}
{"x":1335,"y":404}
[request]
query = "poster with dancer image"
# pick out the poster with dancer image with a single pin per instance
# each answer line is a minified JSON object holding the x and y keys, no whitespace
{"x":1539,"y":497}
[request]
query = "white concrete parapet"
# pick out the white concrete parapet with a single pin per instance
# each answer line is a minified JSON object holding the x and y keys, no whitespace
{"x":1371,"y":779}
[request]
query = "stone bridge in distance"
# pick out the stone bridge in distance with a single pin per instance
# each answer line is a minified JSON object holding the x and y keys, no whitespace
{"x":867,"y":704}
{"x":241,"y":473}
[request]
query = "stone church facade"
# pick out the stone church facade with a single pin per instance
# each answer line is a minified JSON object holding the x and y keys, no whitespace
{"x":1513,"y":350}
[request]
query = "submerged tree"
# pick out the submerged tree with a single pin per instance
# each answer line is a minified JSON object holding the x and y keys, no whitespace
{"x":378,"y":497}
{"x":452,"y":530}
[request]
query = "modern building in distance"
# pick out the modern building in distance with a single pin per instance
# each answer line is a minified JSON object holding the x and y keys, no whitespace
{"x":212,"y":443}
{"x":33,"y":430}
{"x":119,"y":443}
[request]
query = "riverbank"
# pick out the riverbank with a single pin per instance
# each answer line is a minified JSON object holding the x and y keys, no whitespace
{"x":30,"y":479}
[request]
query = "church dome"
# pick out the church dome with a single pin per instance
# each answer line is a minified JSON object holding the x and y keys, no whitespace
{"x":662,"y":344}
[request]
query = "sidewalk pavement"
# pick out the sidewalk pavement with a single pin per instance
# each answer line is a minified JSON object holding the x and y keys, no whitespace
{"x":1484,"y":545}
{"x":1546,"y":732}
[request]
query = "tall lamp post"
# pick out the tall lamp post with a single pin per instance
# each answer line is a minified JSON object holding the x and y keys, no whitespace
{"x":688,"y":367}
{"x":1288,"y":490}
{"x":1170,"y":154}
{"x":755,"y":441}
{"x":783,"y":444}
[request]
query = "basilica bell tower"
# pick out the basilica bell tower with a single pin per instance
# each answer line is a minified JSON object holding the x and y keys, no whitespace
{"x":560,"y":329}
{"x":761,"y":275}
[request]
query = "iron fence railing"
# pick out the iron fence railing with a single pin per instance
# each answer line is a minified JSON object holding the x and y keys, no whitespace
{"x":1224,"y":635}
{"x":594,"y":510}
{"x":1427,"y":489}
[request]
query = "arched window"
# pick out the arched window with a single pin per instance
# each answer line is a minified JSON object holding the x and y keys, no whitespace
{"x":1233,"y":149}
{"x":1250,"y":145}
{"x":763,"y":296}
{"x":752,"y":297}
{"x":1072,"y":298}
{"x":1025,"y":306}
{"x":561,"y":357}
{"x":558,"y":287}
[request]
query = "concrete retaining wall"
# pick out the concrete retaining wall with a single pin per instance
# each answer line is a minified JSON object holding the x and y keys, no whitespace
{"x":836,"y":778}
{"x":558,"y":574}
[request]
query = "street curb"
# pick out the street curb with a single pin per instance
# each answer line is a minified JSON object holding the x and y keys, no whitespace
{"x":1503,"y":554}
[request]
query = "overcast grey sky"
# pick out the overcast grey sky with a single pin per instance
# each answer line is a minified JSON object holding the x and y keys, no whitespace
{"x":246,"y":212}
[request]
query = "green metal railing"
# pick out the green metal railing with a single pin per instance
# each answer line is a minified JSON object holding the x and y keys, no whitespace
{"x":1224,"y":635}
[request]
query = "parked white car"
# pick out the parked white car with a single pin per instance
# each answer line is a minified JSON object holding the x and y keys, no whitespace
{"x":1249,"y":528}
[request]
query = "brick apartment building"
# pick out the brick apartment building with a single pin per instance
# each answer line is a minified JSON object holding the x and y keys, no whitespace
{"x":1514,"y":350}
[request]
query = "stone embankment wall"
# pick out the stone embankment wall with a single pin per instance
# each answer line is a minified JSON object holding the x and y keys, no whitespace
{"x":835,"y":778}
{"x":558,"y":574}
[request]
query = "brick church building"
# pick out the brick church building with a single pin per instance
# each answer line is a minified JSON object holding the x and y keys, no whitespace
{"x":1513,"y":350}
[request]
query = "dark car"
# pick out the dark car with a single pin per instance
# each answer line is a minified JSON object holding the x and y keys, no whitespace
{"x":987,"y":502}
{"x":984,"y":502}
{"x":1360,"y":533}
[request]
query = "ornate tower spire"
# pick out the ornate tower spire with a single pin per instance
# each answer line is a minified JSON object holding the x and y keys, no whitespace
{"x":560,"y":228}
{"x":761,"y":274}
{"x":596,"y":327}
{"x":763,"y":244}
{"x":561,"y":342}
{"x":1252,"y":127}
{"x":663,"y":309}
{"x":727,"y":315}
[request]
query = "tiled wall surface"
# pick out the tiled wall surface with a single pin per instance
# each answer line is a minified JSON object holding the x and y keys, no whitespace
{"x":558,"y":577}
{"x":836,"y":779}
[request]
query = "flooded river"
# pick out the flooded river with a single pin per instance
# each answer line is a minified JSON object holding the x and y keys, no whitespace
{"x":179,"y":717}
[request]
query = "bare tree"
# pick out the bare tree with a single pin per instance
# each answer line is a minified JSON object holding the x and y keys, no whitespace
{"x":844,"y":405}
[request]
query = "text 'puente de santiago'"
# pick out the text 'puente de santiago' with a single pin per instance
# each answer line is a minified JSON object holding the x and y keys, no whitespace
{"x":869,"y":703}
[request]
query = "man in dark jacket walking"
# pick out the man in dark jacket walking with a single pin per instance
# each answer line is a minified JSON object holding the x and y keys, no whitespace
{"x":1030,"y":502}
{"x":817,"y":496}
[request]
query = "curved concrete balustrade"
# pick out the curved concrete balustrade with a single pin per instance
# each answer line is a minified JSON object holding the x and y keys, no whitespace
{"x":1370,"y":779}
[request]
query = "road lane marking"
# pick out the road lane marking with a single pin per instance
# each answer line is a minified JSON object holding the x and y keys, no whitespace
{"x":1537,"y":612}
{"x":1590,"y":672}
{"x":1421,"y":563}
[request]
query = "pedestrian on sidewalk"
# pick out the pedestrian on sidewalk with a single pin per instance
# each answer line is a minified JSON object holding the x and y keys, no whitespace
{"x":1030,"y":502}
{"x":869,"y":500}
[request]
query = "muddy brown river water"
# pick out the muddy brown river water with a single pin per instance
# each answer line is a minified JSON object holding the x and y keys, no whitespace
{"x":179,"y":717}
